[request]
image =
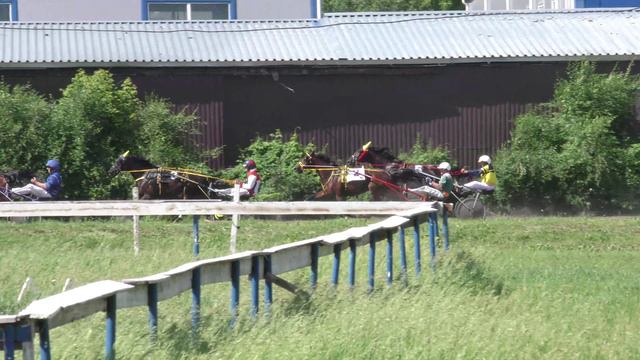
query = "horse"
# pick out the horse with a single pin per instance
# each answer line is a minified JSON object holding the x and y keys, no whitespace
{"x":154,"y":182}
{"x":400,"y":173}
{"x":335,"y":187}
{"x":11,"y":179}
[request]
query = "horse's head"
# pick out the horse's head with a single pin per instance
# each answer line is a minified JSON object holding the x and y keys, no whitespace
{"x":372,"y":155}
{"x":15,"y":177}
{"x":313,"y":159}
{"x":126,"y":162}
{"x":117,"y":166}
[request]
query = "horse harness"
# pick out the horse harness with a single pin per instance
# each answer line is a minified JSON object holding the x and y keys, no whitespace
{"x":165,"y":176}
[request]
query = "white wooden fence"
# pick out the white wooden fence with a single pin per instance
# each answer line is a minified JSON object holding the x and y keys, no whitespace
{"x":45,"y":314}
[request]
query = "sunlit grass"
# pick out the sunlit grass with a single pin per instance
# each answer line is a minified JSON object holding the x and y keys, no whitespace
{"x":524,"y":288}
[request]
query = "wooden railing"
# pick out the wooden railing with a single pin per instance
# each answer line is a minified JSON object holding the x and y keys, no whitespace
{"x":45,"y":314}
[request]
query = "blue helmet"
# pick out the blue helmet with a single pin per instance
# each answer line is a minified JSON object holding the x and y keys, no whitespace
{"x":54,"y":164}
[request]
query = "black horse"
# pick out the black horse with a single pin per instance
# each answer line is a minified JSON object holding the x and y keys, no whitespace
{"x":155,"y":182}
{"x":11,"y":179}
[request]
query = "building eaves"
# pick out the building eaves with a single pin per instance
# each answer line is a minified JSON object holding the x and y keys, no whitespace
{"x":416,"y":38}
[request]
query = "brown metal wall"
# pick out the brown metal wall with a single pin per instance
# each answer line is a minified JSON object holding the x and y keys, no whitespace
{"x":467,"y":108}
{"x":474,"y":132}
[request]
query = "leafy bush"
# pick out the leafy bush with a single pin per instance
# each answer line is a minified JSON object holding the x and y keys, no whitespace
{"x":276,"y":160}
{"x":164,"y":136}
{"x":421,"y":153}
{"x":25,"y":127}
{"x":94,"y":120}
{"x":577,"y":152}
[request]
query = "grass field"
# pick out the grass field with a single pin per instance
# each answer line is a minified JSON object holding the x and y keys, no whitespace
{"x":523,"y":288}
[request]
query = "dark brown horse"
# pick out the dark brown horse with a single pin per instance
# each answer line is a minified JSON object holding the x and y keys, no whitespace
{"x":163,"y":183}
{"x":335,"y":184}
{"x":405,"y":175}
{"x":12,"y":179}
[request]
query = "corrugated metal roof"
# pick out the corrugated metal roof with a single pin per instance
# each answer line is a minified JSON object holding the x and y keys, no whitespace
{"x":336,"y":39}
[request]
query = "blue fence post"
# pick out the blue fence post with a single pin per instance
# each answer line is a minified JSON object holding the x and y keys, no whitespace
{"x":372,"y":260}
{"x":255,"y":285}
{"x":445,"y":228}
{"x":403,"y":253}
{"x":389,"y":257}
{"x":314,"y":265}
{"x":336,"y":264}
{"x":45,"y":345}
{"x":152,"y":304}
{"x":110,"y":339}
{"x":235,"y":291}
{"x":268,"y":286}
{"x":432,"y":238}
{"x":196,"y":235}
{"x":352,"y":263}
{"x":195,"y":301}
{"x":9,"y":334}
{"x":416,"y":245}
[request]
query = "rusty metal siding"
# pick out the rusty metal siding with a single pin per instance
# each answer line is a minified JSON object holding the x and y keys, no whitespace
{"x":209,"y":130}
{"x":476,"y":131}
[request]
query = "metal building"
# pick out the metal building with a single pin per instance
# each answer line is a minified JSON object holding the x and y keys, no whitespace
{"x":456,"y":78}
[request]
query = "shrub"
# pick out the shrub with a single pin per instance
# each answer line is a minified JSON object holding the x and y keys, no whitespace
{"x":421,"y":153}
{"x":165,"y":137}
{"x":94,"y":119}
{"x":276,"y":160}
{"x":579,"y":152}
{"x":25,"y":127}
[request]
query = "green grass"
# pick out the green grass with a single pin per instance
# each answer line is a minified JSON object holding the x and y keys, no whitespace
{"x":509,"y":288}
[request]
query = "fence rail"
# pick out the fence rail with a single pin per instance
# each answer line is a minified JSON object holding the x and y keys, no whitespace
{"x":199,"y":207}
{"x":45,"y":314}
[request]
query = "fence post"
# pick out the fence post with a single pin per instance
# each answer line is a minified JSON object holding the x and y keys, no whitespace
{"x":314,"y":265}
{"x":196,"y":235}
{"x":403,"y":253}
{"x":445,"y":228}
{"x":136,"y":224}
{"x":352,"y":263}
{"x":389,"y":257}
{"x":235,"y":291}
{"x":268,"y":286}
{"x":45,"y":345}
{"x":195,"y":302}
{"x":152,"y":304}
{"x":110,"y":339}
{"x":416,"y":245}
{"x":9,"y":335}
{"x":336,"y":264}
{"x":255,"y":284}
{"x":372,"y":260}
{"x":432,"y":238}
{"x":235,"y":218}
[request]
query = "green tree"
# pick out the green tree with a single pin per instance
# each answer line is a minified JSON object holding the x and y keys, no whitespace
{"x":425,"y":153}
{"x":25,"y":128}
{"x":166,"y":137}
{"x":390,"y":5}
{"x":94,"y":119}
{"x":276,"y":160}
{"x":578,"y":151}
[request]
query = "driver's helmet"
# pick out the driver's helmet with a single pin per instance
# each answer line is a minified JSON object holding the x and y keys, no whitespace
{"x":54,"y":164}
{"x":249,"y":164}
{"x":444,"y":166}
{"x":485,"y":158}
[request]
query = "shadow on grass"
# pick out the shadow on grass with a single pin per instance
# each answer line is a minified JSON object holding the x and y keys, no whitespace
{"x":460,"y":269}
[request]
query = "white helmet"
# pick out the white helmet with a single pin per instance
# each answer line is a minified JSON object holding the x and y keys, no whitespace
{"x":444,"y":166}
{"x":485,"y":158}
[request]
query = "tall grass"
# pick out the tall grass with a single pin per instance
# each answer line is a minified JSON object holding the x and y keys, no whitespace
{"x":509,"y":288}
